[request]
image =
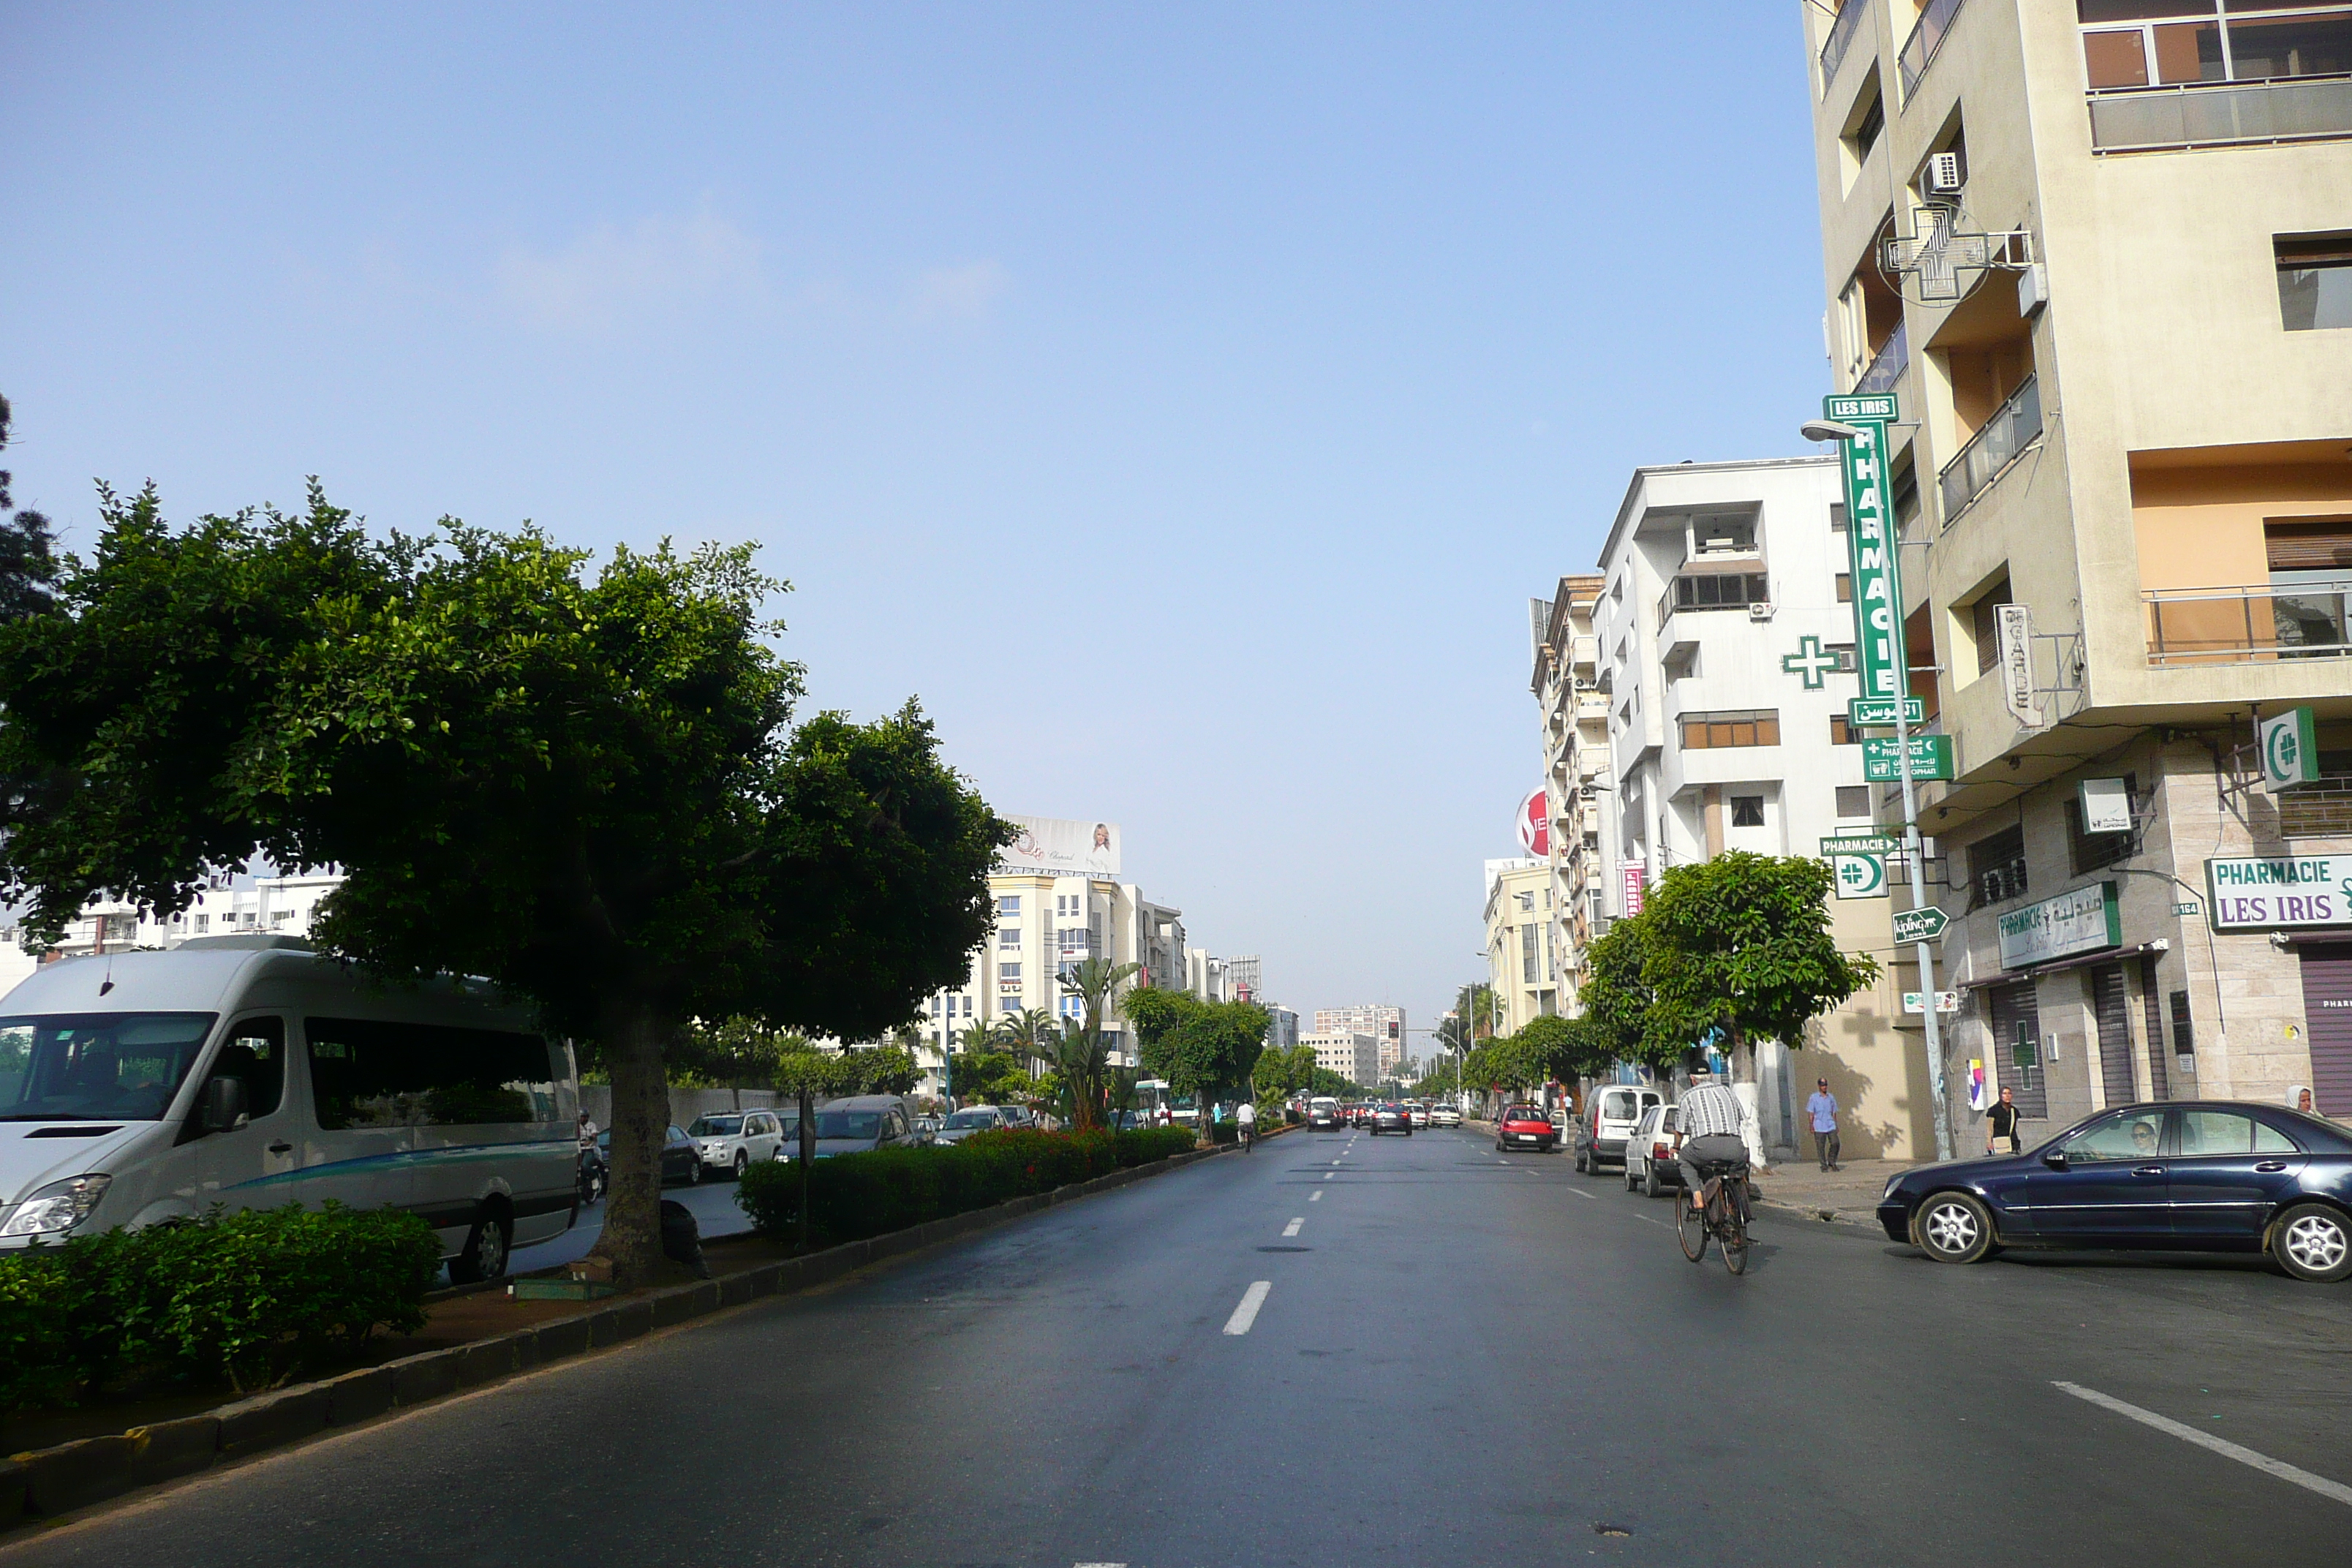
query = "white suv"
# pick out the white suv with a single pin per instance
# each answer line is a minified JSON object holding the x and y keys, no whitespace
{"x":730,"y":1141}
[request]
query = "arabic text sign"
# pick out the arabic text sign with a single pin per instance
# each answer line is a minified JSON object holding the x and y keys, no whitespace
{"x":1882,"y":757}
{"x":2273,"y":892}
{"x":2083,"y":920}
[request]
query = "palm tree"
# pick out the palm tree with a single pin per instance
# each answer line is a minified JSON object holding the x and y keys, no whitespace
{"x":1085,"y":1051}
{"x":1028,"y":1034}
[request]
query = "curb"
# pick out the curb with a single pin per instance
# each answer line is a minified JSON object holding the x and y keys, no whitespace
{"x":1817,"y":1216}
{"x":47,"y":1482}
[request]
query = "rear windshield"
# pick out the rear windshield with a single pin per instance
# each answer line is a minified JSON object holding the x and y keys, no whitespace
{"x":97,"y":1066}
{"x":849,"y":1124}
{"x":1523,"y":1113}
{"x":973,"y":1119}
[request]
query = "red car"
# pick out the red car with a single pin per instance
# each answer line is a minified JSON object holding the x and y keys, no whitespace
{"x":1526,"y":1127}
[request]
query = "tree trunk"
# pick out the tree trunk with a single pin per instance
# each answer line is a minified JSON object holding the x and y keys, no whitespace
{"x":633,"y":1041}
{"x":1742,"y":1054}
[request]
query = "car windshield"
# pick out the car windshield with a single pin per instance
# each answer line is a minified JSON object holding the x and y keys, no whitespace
{"x":715,"y":1127}
{"x":97,"y":1066}
{"x":972,"y":1118}
{"x":848,"y":1123}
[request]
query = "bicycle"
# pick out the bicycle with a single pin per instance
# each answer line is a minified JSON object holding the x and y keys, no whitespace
{"x":1248,"y":1136}
{"x":1718,"y":1214}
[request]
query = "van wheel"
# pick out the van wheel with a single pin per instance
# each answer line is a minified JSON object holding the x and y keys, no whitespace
{"x":484,"y":1256}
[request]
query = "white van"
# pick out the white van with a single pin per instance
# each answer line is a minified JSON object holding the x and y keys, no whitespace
{"x":138,"y":1087}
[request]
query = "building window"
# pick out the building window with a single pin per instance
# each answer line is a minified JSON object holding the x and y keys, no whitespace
{"x":1009,"y":973}
{"x":1702,"y":731}
{"x":1841,"y":733}
{"x":204,"y":923}
{"x":1528,"y":955}
{"x":1997,"y":867}
{"x":1853,"y":800}
{"x":1903,"y":491}
{"x":1008,"y":906}
{"x":1984,"y":626}
{"x":1837,"y":516}
{"x":1747,"y":811}
{"x":1008,"y":940}
{"x":1845,"y":587}
{"x":2314,"y":280}
{"x":1721,"y":590}
{"x":1527,"y":901}
{"x":2092,"y":850}
{"x":2173,"y":42}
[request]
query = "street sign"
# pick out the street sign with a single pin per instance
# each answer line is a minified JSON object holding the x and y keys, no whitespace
{"x":1878,"y":712}
{"x":1858,"y":876}
{"x":2184,"y":909}
{"x":1924,"y":923}
{"x":1870,"y":542}
{"x":1945,"y":1001}
{"x":2290,"y":748}
{"x":1864,"y":844}
{"x":1931,"y":757}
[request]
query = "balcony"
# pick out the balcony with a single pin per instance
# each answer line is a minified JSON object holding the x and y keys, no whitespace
{"x":2222,"y":115}
{"x":1920,"y":48}
{"x":1886,"y":367}
{"x":1841,"y":38}
{"x":2257,"y":624}
{"x":2013,"y":428}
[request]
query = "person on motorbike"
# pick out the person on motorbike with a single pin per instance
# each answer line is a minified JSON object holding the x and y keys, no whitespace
{"x":1710,"y":1120}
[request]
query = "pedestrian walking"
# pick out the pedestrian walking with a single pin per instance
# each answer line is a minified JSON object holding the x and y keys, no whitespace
{"x":1823,"y":1108}
{"x":2000,"y":1125}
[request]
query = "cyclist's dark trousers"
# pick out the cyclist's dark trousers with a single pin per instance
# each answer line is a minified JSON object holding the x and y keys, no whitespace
{"x":1709,"y":1149}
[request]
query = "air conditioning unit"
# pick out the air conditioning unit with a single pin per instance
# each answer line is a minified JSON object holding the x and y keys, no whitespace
{"x":1759,"y":610}
{"x":1943,"y":177}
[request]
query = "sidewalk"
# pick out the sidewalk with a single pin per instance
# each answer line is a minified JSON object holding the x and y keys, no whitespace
{"x":1848,"y":1194}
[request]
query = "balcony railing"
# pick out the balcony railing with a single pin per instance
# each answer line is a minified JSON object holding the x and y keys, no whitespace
{"x":1920,"y":47}
{"x":1886,"y":367}
{"x":2199,"y":114}
{"x":2017,"y":426}
{"x":2257,"y":624}
{"x":1841,"y":38}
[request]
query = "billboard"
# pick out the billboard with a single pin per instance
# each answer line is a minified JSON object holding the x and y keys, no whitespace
{"x":1054,"y":846}
{"x":1534,"y":823}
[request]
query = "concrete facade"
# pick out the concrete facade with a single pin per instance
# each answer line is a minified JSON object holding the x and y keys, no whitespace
{"x":1385,"y":1024}
{"x":1567,"y":686}
{"x":1522,"y":937}
{"x":1352,"y":1054}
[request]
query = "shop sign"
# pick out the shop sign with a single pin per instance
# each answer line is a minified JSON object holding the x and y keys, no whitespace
{"x":2083,"y":920}
{"x":2275,"y":892}
{"x":2290,"y":748}
{"x":1858,"y":876}
{"x":1882,"y":758}
{"x":1870,"y":540}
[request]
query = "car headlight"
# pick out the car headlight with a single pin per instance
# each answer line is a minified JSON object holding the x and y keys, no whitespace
{"x":57,"y":1208}
{"x":1891,"y":1183}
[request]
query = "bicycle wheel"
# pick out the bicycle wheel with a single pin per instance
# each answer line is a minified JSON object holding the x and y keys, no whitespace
{"x":1690,"y":1228}
{"x":1734,"y":1236}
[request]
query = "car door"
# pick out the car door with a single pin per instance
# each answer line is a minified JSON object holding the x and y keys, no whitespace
{"x":2107,"y":1183}
{"x":2229,"y":1174}
{"x":253,"y":1164}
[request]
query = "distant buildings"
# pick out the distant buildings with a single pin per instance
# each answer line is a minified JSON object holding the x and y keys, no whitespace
{"x":1384,"y":1024}
{"x":1351,"y":1053}
{"x":1522,"y":941}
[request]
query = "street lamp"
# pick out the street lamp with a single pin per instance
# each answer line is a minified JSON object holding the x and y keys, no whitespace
{"x":1846,"y":434}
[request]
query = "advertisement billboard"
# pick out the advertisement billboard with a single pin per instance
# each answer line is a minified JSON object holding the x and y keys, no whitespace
{"x":1055,"y":847}
{"x":1534,"y":823}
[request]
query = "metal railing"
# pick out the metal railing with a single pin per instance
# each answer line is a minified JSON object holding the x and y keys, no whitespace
{"x":1841,"y":38}
{"x":2016,"y":426}
{"x":1886,"y":366}
{"x":2254,"y":624}
{"x":2208,"y":114}
{"x":1920,"y":48}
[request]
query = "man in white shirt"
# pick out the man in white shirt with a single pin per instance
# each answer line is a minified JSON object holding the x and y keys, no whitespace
{"x":1245,"y":1117}
{"x":1823,"y":1108}
{"x":1710,"y":1119}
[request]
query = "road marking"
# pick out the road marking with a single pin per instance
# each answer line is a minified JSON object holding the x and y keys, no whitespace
{"x":2336,"y":1490}
{"x":1328,"y":1174}
{"x":1316,"y":1197}
{"x":1246,"y":1313}
{"x":1581,"y":1192}
{"x":1292,"y":1228}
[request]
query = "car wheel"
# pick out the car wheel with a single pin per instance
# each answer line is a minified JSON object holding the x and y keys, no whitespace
{"x":484,"y":1256}
{"x":1580,"y":1162}
{"x":694,"y":1172}
{"x":742,"y":1163}
{"x":1628,"y":1177}
{"x":1953,"y":1228}
{"x":1650,"y":1188}
{"x":2313,"y":1242}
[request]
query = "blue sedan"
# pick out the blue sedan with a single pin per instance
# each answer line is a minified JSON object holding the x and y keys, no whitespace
{"x":2187,"y":1176}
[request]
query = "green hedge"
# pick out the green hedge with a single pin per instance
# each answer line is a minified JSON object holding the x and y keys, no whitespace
{"x":855,"y":1195}
{"x":247,"y":1297}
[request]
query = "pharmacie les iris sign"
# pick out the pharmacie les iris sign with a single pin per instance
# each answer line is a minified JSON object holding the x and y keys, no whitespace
{"x":2279,"y":892}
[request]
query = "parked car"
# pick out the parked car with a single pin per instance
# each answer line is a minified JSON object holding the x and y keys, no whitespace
{"x":1323,"y":1113}
{"x":1445,"y":1116}
{"x":972,"y":1119}
{"x":1650,"y":1163}
{"x":1526,"y":1127}
{"x":730,"y":1141}
{"x":1391,"y":1119}
{"x":861,"y":1123}
{"x":1609,"y":1120}
{"x":2184,"y":1176}
{"x":681,"y":1156}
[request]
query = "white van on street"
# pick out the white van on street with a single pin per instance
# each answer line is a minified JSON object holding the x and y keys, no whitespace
{"x":140,"y":1087}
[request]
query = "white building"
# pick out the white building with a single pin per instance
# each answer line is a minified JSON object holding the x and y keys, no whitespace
{"x":1726,"y":649}
{"x":1522,"y":934}
{"x":1383,"y":1023}
{"x":1566,"y":681}
{"x":1352,"y":1054}
{"x":1281,"y":1027}
{"x":1207,"y":977}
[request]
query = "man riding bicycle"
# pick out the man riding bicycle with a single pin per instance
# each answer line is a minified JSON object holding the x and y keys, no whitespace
{"x":1711,"y":1115}
{"x":1246,"y":1119}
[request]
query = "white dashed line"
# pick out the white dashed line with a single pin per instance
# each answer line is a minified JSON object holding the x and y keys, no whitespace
{"x":1246,"y":1313}
{"x":1316,"y":1197}
{"x":1581,"y":1192}
{"x":1328,"y":1174}
{"x":1292,"y":1228}
{"x":2336,"y":1490}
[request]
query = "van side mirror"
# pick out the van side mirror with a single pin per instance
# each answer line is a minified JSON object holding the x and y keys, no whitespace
{"x":2055,"y":1159}
{"x":221,"y":1108}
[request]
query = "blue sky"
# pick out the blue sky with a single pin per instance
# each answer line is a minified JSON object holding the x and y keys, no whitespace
{"x":1182,"y":401}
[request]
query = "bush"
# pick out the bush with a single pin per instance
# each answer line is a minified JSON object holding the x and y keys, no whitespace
{"x":855,"y":1195}
{"x":247,"y":1297}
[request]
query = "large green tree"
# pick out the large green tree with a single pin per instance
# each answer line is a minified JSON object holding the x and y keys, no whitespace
{"x":598,"y":769}
{"x":740,"y":1053}
{"x":1206,"y":1051}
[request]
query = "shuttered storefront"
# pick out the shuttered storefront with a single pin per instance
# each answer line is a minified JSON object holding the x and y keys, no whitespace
{"x":2160,"y":1085}
{"x":2017,"y":1018}
{"x":2110,"y":1005}
{"x":2327,"y":1018}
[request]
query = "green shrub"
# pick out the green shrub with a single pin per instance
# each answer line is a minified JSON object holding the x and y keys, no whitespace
{"x":855,"y":1195}
{"x":247,"y":1297}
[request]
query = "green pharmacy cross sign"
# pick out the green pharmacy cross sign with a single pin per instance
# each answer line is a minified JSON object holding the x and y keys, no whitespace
{"x":1870,"y":542}
{"x":1810,"y":662}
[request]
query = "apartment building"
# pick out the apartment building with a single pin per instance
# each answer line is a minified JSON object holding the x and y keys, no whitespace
{"x":1725,"y":653}
{"x":1351,"y":1053}
{"x":231,"y":906}
{"x":1383,"y":1023}
{"x":1522,"y":934}
{"x":1207,"y":977}
{"x":1567,"y":687}
{"x":2116,"y":320}
{"x":1281,"y":1026}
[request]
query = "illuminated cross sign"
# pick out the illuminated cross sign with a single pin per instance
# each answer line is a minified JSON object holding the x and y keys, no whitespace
{"x":1809,"y":661}
{"x":1869,"y":539}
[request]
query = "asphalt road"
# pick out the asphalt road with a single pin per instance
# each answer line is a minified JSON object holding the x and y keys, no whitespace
{"x":1459,"y":1359}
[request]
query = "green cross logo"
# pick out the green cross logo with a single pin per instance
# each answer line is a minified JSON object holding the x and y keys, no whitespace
{"x":1809,"y":661}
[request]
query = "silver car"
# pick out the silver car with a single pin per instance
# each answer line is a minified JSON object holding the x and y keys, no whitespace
{"x":733,"y":1140}
{"x":972,"y":1119}
{"x":861,"y":1123}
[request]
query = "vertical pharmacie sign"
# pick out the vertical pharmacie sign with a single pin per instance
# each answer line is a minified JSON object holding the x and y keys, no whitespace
{"x":1870,"y":540}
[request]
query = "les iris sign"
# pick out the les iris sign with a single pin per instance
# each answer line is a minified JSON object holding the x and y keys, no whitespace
{"x":2279,"y":892}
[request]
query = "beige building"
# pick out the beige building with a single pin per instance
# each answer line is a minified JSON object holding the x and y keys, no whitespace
{"x":1383,"y":1023}
{"x":1352,"y":1054}
{"x":2126,"y":408}
{"x":1567,"y":686}
{"x":1522,"y":961}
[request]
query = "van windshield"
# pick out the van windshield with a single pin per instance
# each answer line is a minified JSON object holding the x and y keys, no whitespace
{"x":848,"y":1123}
{"x":715,"y":1127}
{"x":97,"y":1066}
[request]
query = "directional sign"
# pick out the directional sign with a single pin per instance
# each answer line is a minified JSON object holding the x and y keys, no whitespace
{"x":1945,"y":1001}
{"x":1924,"y":923}
{"x":1931,"y":757}
{"x":1858,"y":876}
{"x":1864,"y":844}
{"x":1878,"y":712}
